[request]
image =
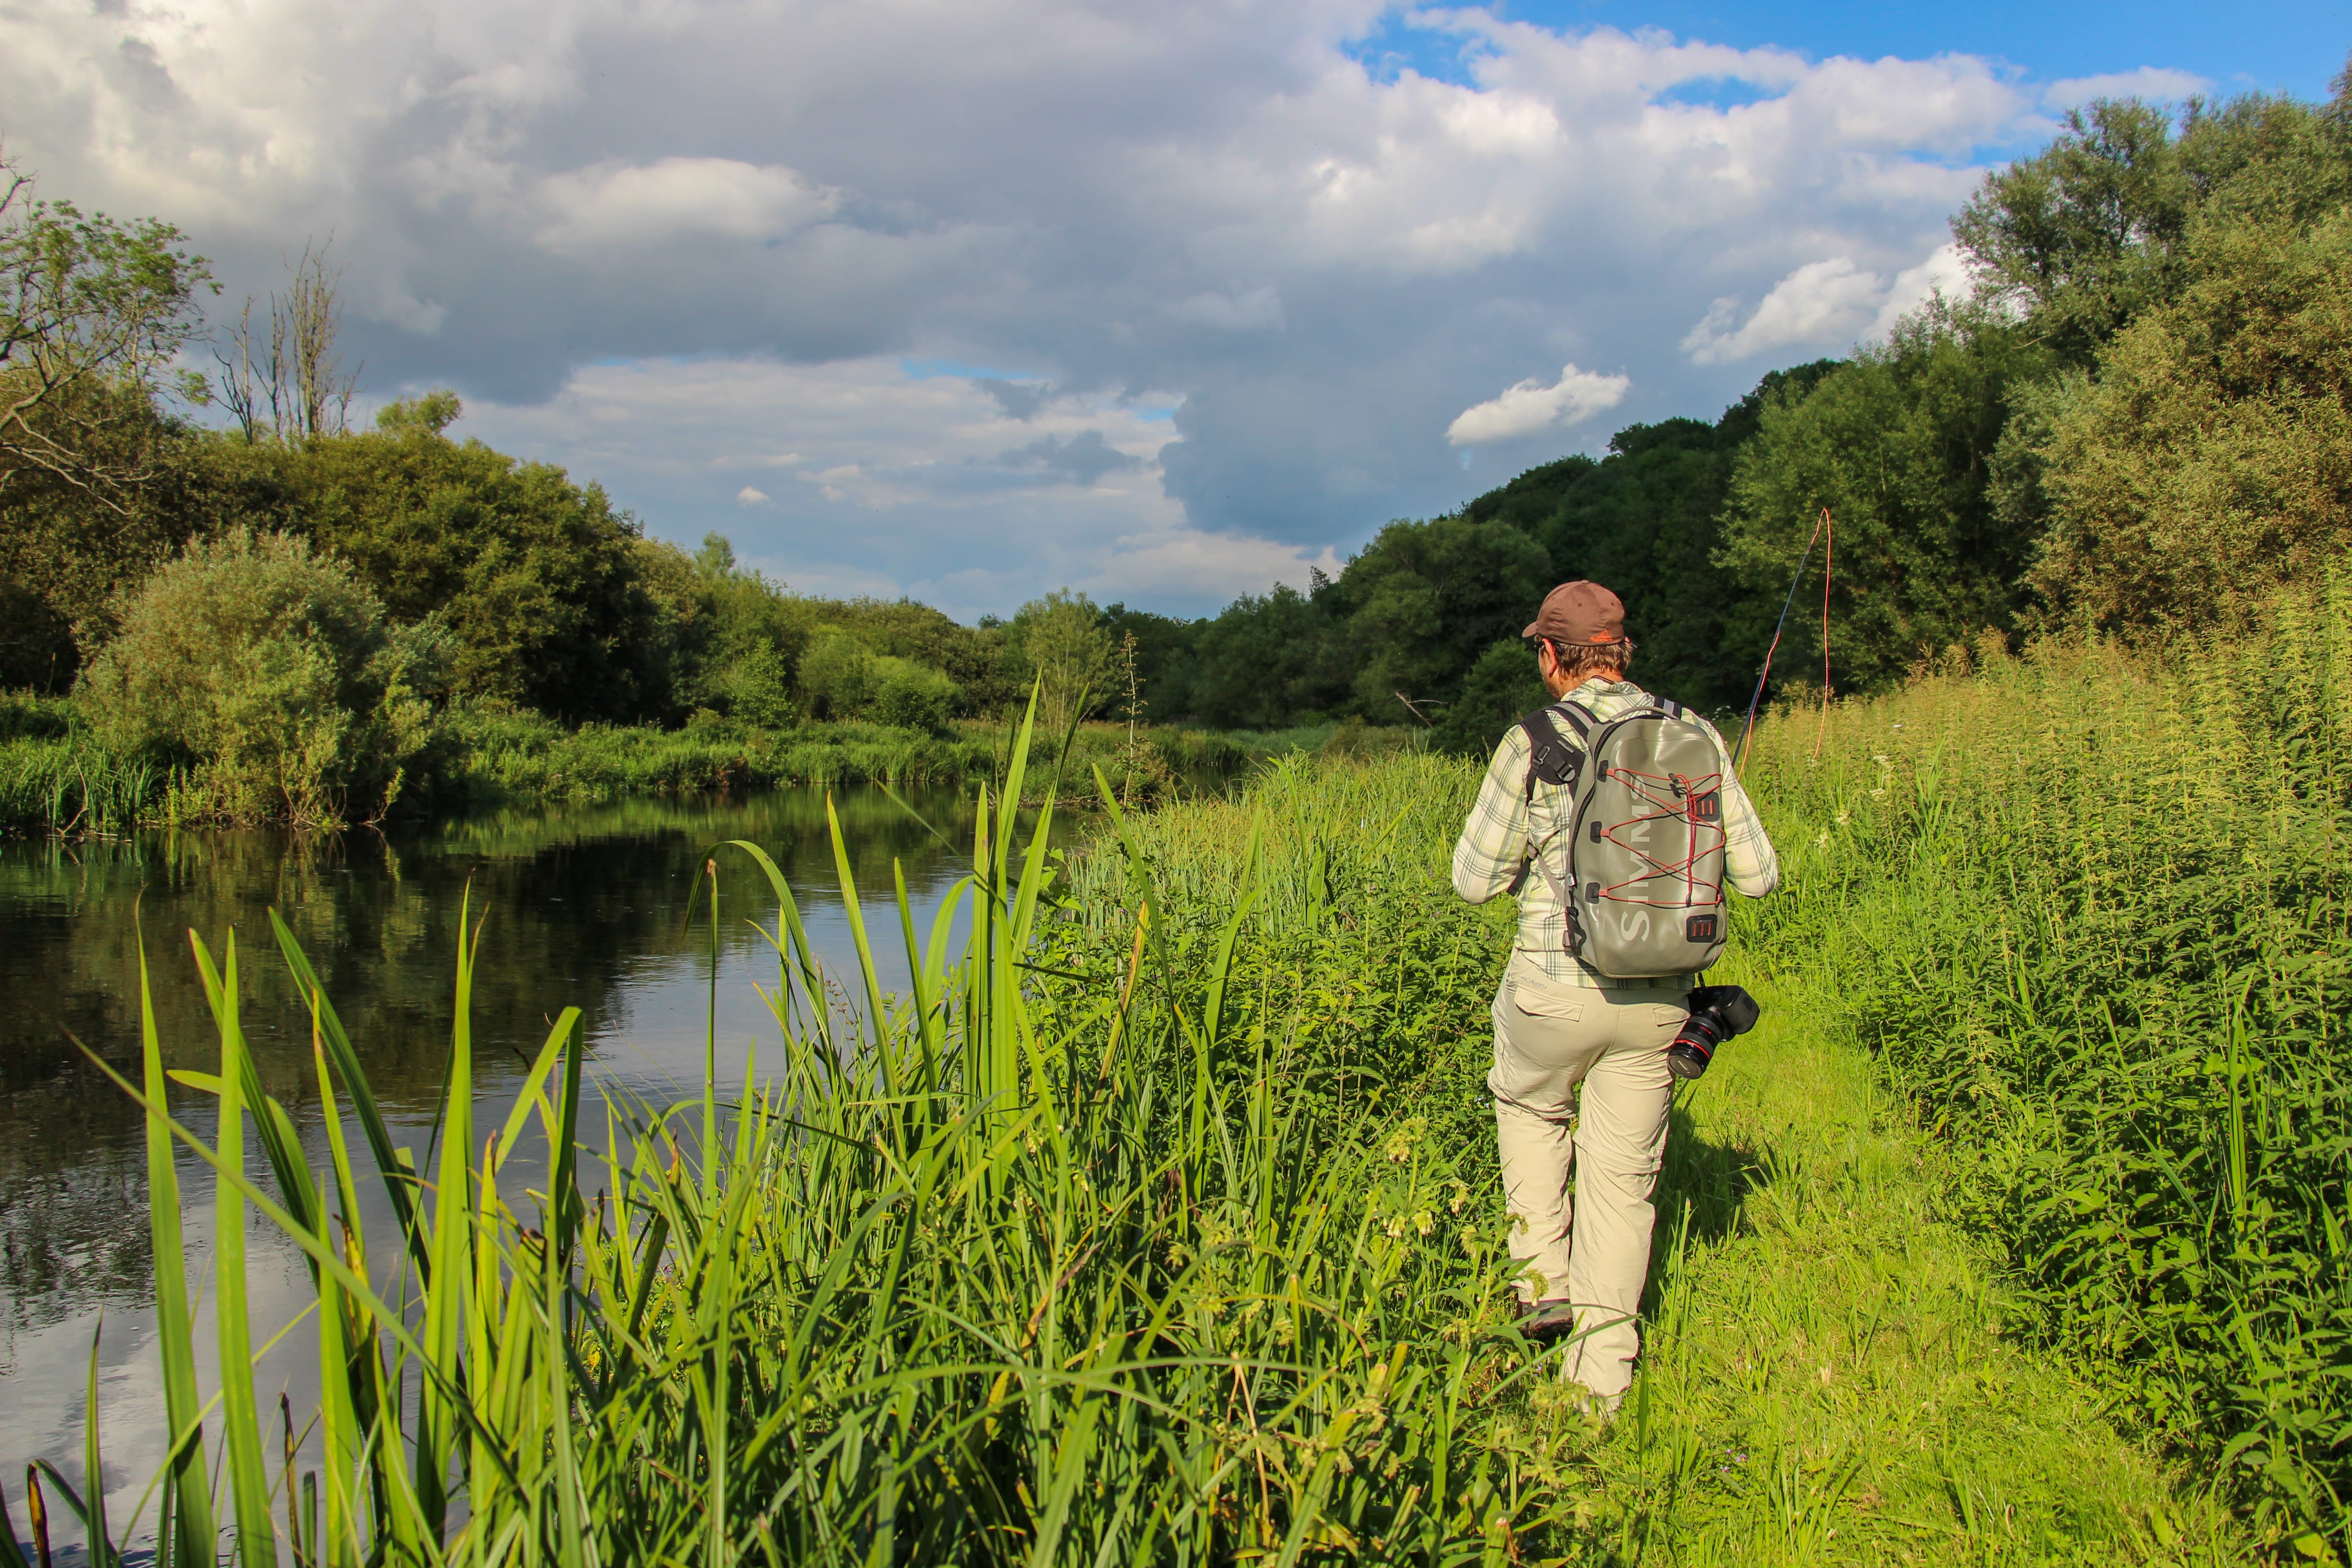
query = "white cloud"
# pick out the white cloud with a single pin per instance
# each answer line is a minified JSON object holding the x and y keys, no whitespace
{"x":2150,"y":82}
{"x":1945,"y":273}
{"x":630,"y":204}
{"x":1096,"y":210}
{"x":908,"y":482}
{"x":1530,"y":407}
{"x":1822,"y":302}
{"x":1823,"y":306}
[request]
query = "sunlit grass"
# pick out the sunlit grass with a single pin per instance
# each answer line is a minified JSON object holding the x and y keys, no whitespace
{"x":1157,"y":1221}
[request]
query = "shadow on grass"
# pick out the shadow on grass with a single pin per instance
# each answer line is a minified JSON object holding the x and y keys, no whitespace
{"x":1702,"y":1194}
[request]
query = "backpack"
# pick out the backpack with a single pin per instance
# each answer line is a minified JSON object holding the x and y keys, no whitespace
{"x":1644,"y":892}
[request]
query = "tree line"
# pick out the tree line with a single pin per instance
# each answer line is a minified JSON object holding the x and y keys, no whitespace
{"x":2140,"y":421}
{"x":2136,"y":422}
{"x":114,"y":460}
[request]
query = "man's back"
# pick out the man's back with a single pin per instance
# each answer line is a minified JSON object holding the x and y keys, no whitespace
{"x":1510,"y":822}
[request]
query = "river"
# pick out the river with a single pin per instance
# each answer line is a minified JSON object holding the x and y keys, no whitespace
{"x":582,"y":906}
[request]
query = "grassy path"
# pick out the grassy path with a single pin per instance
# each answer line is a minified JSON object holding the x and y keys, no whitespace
{"x":1827,"y":1378}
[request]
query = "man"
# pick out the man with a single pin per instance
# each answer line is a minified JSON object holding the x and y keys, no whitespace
{"x":1561,"y":1025}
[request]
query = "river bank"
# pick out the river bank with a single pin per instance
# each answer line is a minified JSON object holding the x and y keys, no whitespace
{"x":1153,"y":1216}
{"x":58,"y":777}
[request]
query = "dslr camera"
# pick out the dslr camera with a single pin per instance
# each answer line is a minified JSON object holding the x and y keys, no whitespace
{"x":1716,"y":1014}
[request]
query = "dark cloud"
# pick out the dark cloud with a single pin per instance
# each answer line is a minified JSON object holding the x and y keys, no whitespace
{"x":1019,"y":399}
{"x":1083,"y":459}
{"x":1212,"y":210}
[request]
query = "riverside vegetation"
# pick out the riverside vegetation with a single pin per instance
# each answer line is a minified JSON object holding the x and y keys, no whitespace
{"x":1157,"y":1221}
{"x":2132,"y":424}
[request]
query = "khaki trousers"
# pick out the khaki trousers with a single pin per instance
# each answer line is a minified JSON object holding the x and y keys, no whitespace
{"x":1555,"y":1046}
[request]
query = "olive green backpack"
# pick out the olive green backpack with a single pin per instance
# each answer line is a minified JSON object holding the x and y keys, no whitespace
{"x":1643,"y":860}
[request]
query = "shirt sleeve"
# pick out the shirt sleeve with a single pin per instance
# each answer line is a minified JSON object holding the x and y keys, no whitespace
{"x":1749,"y":861}
{"x":1493,"y":841}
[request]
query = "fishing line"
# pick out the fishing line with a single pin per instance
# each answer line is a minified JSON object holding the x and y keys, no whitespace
{"x":1748,"y":727}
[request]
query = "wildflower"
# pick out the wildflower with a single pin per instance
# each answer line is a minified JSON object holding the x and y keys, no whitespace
{"x":1424,"y":1222}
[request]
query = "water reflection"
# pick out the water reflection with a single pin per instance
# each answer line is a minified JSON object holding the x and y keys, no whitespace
{"x":585,"y":908}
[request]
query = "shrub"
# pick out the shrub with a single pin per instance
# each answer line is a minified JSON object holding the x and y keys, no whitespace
{"x":552,"y":596}
{"x":276,"y":673}
{"x":2212,"y":457}
{"x":913,"y":697}
{"x":837,"y":674}
{"x":758,"y":688}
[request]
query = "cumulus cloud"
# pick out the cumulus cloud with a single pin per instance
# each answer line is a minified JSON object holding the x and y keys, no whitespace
{"x":1820,"y":302}
{"x":1286,"y":286}
{"x":897,"y":481}
{"x":1823,"y":306}
{"x":2151,"y":82}
{"x":617,"y":204}
{"x":1083,"y":459}
{"x":1530,"y":407}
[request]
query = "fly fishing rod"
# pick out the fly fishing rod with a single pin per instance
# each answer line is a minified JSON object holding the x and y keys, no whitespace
{"x":1748,"y":726}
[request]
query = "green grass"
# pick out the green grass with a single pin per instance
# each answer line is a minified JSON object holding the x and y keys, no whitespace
{"x":1839,"y":1365}
{"x":2092,"y":916}
{"x":1160,"y":1223}
{"x":56,"y":777}
{"x":499,"y":757}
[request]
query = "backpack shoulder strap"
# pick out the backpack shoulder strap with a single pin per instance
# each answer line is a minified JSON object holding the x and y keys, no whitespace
{"x":1552,"y":757}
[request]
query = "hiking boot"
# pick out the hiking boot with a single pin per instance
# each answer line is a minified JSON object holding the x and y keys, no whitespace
{"x":1547,"y":1319}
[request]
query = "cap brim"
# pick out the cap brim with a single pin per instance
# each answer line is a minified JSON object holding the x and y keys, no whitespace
{"x":1530,"y":631}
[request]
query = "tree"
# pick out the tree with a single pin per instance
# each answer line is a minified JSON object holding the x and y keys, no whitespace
{"x":1067,"y":650}
{"x":2087,"y":234}
{"x":548,"y":589}
{"x":743,"y":639}
{"x":276,"y":672}
{"x":1271,"y":660}
{"x":1501,"y":687}
{"x":1424,"y":599}
{"x":1898,"y":446}
{"x":431,"y":413}
{"x":2080,"y":238}
{"x":2212,"y":456}
{"x":1167,"y":659}
{"x":68,"y":549}
{"x":293,"y":386}
{"x":89,"y":307}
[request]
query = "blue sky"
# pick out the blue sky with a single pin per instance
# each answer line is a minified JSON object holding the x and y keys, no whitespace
{"x":2281,"y":48}
{"x":1165,"y":303}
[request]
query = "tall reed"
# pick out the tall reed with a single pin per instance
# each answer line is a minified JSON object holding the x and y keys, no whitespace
{"x":1038,"y":1262}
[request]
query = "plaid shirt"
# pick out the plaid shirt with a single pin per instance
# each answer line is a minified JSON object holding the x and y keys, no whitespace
{"x":1504,"y":827}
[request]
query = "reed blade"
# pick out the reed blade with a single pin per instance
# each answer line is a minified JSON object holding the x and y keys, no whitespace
{"x":249,"y":1474}
{"x":191,"y":1545}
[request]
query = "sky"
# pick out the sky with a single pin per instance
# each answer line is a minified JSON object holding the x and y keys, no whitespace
{"x":1165,"y":303}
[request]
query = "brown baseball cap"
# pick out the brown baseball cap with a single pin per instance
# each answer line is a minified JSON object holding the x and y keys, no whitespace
{"x":1580,"y":612}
